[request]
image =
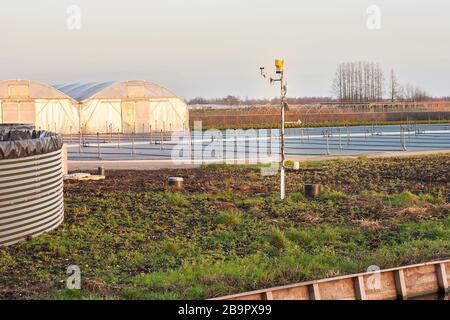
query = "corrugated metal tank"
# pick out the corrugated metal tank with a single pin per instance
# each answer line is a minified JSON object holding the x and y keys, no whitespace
{"x":31,"y":185}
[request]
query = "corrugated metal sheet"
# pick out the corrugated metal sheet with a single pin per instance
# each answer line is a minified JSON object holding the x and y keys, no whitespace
{"x":31,"y":196}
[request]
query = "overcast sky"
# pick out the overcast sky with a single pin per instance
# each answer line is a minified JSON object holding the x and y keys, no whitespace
{"x":215,"y":47}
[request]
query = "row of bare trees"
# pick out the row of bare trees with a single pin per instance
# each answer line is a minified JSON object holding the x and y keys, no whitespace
{"x":407,"y":92}
{"x":360,"y":82}
{"x":236,"y":101}
{"x":411,"y":93}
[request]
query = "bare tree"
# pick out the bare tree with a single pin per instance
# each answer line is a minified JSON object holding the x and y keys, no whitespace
{"x":394,"y":86}
{"x":414,"y":93}
{"x":358,"y":82}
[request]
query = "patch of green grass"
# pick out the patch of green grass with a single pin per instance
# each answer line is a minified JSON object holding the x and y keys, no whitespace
{"x":402,"y":199}
{"x":229,"y":232}
{"x":278,"y":239}
{"x":176,"y":199}
{"x":317,"y":124}
{"x":333,"y":195}
{"x":239,"y":167}
{"x":7,"y":262}
{"x":229,"y":218}
{"x":407,"y":198}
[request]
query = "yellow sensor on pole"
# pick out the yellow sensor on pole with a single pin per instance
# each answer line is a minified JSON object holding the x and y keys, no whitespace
{"x":279,"y":64}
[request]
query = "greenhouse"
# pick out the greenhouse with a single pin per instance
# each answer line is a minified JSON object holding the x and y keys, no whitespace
{"x":108,"y":107}
{"x":127,"y":107}
{"x":45,"y":107}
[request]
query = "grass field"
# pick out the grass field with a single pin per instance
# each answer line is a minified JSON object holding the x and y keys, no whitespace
{"x":228,"y":232}
{"x":320,"y":124}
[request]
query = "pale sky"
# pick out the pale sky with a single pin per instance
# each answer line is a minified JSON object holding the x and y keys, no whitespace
{"x":213,"y":48}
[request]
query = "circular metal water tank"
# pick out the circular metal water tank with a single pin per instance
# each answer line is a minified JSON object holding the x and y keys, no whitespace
{"x":31,"y":184}
{"x":17,"y":126}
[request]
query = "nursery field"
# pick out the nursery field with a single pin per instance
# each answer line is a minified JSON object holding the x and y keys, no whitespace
{"x":228,"y":232}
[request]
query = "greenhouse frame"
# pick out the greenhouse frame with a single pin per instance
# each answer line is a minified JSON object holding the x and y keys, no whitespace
{"x":110,"y":107}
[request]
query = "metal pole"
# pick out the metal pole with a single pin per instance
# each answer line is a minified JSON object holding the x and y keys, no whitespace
{"x":79,"y":142}
{"x":150,"y":130}
{"x":164,"y":133}
{"x":98,"y":146}
{"x":403,"y":138}
{"x":328,"y":144}
{"x":84,"y":138}
{"x":348,"y":135}
{"x":279,"y":64}
{"x":282,"y":174}
{"x":222,"y":147}
{"x":191,"y":146}
{"x":270,"y":142}
{"x":133,"y":152}
{"x":235,"y":149}
{"x":81,"y":136}
{"x":257,"y":147}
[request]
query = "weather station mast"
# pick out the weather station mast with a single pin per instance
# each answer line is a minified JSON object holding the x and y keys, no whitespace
{"x":279,"y":65}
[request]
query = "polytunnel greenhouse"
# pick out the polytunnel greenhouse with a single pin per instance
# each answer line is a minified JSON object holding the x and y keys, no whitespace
{"x":109,"y":107}
{"x":127,"y":107}
{"x":31,"y":102}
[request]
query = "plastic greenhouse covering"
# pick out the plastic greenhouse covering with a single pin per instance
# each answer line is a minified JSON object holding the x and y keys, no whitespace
{"x":128,"y":106}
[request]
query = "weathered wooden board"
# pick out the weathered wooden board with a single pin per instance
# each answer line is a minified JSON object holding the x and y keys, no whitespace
{"x":402,"y":282}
